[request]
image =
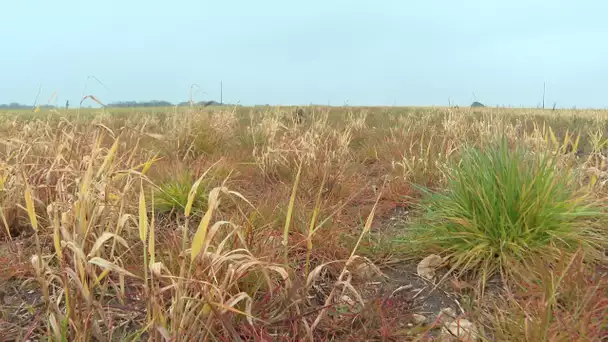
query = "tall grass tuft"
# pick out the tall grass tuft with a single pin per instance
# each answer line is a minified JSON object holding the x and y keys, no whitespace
{"x":504,"y":207}
{"x":173,"y":195}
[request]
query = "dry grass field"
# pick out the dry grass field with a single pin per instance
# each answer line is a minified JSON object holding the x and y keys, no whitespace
{"x":340,"y":224}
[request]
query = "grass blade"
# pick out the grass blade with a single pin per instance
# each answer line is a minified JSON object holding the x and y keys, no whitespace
{"x":292,"y":200}
{"x":201,"y":232}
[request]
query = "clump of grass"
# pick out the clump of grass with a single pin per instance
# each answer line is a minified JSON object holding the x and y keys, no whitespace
{"x":504,"y":207}
{"x":172,"y":195}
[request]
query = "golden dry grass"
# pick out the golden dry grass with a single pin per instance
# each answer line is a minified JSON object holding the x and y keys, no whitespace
{"x":287,"y":237}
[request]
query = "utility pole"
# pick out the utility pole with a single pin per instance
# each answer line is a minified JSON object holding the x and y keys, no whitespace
{"x":221,"y":93}
{"x":544,"y":90}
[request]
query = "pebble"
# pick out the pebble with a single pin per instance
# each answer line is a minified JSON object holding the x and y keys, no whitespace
{"x":418,"y":319}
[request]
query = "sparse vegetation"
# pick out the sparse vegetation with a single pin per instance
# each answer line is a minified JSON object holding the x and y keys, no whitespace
{"x":258,"y":224}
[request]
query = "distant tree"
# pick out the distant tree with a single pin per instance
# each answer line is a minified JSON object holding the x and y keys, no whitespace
{"x":132,"y":104}
{"x":16,"y":105}
{"x":477,"y":104}
{"x":201,"y":104}
{"x":299,"y":115}
{"x":122,"y":104}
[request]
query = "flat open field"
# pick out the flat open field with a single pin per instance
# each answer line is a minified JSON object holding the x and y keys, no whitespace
{"x":327,"y":224}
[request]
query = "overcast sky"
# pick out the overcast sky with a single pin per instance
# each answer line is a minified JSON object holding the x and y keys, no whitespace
{"x":377,"y":52}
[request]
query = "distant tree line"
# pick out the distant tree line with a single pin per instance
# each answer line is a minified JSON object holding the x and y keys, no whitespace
{"x":120,"y":104}
{"x":16,"y":105}
{"x":154,"y":103}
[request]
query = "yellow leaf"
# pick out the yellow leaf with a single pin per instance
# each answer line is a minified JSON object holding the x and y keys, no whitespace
{"x":191,"y":195}
{"x":566,"y":141}
{"x":201,"y":232}
{"x":370,"y":217}
{"x":143,"y":216}
{"x":148,"y":165}
{"x":82,"y":216}
{"x":57,"y":234}
{"x":3,"y":178}
{"x":151,"y":242}
{"x":206,"y":309}
{"x":292,"y":200}
{"x":8,"y":231}
{"x":88,"y":176}
{"x":593,"y":180}
{"x":576,"y":143}
{"x":103,"y":263}
{"x":194,"y":190}
{"x":29,"y":204}
{"x":553,"y":138}
{"x":102,"y":275}
{"x":102,"y":239}
{"x":108,"y":159}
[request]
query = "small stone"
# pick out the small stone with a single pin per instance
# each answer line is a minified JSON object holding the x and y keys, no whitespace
{"x":418,"y":319}
{"x":447,"y":315}
{"x":463,"y":329}
{"x":347,"y":300}
{"x":366,"y":271}
{"x":426,"y":268}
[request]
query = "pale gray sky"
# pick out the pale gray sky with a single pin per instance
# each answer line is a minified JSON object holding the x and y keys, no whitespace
{"x":281,"y":52}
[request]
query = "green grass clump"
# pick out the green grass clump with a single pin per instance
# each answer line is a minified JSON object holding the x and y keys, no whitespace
{"x":172,"y":196}
{"x":504,"y":207}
